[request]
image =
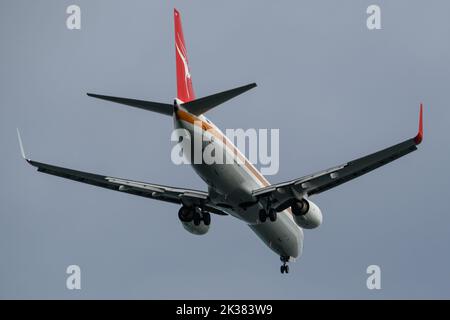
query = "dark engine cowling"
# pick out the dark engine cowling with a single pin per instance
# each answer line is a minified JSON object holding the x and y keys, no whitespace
{"x":306,"y":214}
{"x":194,"y":220}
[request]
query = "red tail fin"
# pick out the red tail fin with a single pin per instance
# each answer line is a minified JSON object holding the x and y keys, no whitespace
{"x":185,"y":91}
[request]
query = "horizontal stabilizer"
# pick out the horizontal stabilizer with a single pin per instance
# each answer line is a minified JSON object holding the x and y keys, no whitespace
{"x":202,"y":105}
{"x":163,"y":108}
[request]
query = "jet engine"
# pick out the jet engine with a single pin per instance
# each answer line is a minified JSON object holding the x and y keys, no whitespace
{"x":306,"y":214}
{"x":194,"y":220}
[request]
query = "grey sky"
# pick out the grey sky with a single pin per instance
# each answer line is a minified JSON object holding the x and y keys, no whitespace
{"x":335,"y":89}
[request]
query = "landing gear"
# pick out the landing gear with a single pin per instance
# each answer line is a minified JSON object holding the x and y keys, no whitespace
{"x":284,"y":268}
{"x":262,"y":215}
{"x":196,"y":215}
{"x":206,"y":217}
{"x":197,"y":219}
{"x":271,"y":214}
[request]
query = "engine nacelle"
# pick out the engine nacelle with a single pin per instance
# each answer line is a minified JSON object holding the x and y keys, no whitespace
{"x":306,"y":214}
{"x":199,"y":230}
{"x":193,"y":221}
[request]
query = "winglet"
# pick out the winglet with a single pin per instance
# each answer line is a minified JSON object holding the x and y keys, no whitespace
{"x":419,"y":137}
{"x":22,"y":150}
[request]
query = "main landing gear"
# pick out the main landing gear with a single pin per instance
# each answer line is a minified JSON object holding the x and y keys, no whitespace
{"x":268,"y":212}
{"x":284,"y":268}
{"x":194,"y":214}
{"x":264,"y":214}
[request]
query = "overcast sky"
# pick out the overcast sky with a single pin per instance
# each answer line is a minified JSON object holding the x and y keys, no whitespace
{"x":335,"y":90}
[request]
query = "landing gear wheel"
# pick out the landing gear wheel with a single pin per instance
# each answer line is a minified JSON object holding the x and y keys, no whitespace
{"x":206,"y":218}
{"x":272,"y":215}
{"x":262,"y":215}
{"x":197,"y":219}
{"x":284,"y":268}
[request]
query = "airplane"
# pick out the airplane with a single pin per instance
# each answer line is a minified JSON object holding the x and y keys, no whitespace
{"x":277,"y":213}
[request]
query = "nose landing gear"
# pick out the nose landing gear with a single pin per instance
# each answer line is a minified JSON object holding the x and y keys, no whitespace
{"x":284,"y":268}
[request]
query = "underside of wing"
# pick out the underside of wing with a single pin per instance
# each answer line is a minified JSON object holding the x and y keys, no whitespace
{"x":123,"y":185}
{"x":148,"y":190}
{"x":282,"y":193}
{"x":188,"y":197}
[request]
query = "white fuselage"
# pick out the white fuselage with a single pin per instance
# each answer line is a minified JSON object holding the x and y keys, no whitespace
{"x":231,"y":185}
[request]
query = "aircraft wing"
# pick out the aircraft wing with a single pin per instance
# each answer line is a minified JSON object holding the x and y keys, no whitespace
{"x":281,"y":194}
{"x":143,"y":189}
